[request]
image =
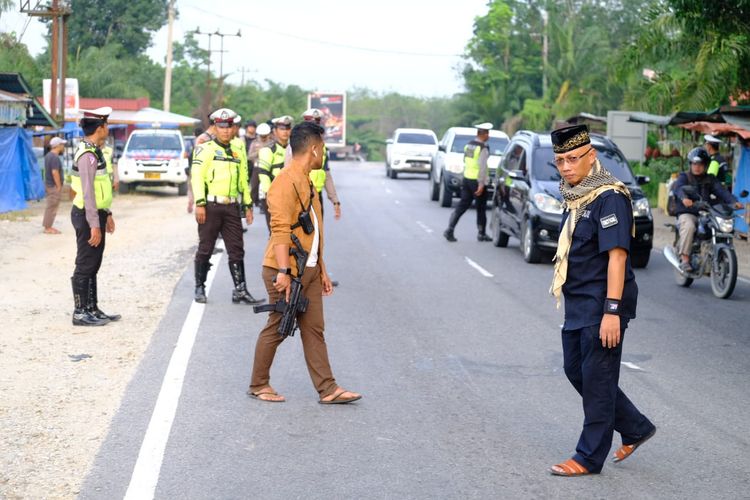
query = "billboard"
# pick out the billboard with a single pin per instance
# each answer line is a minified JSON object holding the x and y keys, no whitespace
{"x":333,"y":106}
{"x":71,"y":97}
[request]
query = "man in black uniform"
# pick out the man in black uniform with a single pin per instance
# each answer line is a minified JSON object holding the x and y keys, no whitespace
{"x":473,"y":184}
{"x":592,"y":270}
{"x":219,"y":177}
{"x":91,"y":217}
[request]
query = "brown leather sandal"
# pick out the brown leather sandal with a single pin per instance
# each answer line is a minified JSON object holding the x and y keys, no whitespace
{"x":569,"y":468}
{"x":627,"y":449}
{"x":263,"y":392}
{"x":338,"y":399}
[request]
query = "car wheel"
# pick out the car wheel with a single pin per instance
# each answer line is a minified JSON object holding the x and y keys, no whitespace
{"x":531,"y":253}
{"x":640,"y":259}
{"x":182,"y":189}
{"x":499,"y":238}
{"x":434,"y":188}
{"x":387,"y":170}
{"x":394,"y":174}
{"x":124,"y":188}
{"x":445,"y":195}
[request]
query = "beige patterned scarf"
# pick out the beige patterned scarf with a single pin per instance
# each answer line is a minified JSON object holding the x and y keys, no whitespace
{"x":576,"y":199}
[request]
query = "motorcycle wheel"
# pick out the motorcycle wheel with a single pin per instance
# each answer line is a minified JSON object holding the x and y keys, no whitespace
{"x":682,"y":280}
{"x":724,"y":273}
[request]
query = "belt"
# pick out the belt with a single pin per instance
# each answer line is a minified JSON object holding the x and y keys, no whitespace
{"x":222,"y":200}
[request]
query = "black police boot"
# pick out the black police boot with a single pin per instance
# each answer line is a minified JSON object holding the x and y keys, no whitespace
{"x":240,"y":293}
{"x":82,"y":316}
{"x":448,"y":233}
{"x":201,"y":271}
{"x":482,"y":234}
{"x":93,"y":305}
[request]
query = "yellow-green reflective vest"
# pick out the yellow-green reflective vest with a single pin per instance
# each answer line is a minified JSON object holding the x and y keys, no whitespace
{"x":102,"y":182}
{"x":107,"y":152}
{"x":318,"y":177}
{"x":271,"y":160}
{"x":216,"y":171}
{"x":471,"y":159}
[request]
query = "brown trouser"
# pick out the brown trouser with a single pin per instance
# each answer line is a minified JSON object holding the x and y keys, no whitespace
{"x":53,"y":201}
{"x":311,"y":327}
{"x":687,"y":224}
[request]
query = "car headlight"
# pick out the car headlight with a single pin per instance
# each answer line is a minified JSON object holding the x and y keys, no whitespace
{"x":641,"y":207}
{"x":547,"y":203}
{"x":725,"y":225}
{"x":456,"y":168}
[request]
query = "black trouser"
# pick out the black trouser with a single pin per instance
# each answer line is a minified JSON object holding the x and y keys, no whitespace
{"x":320,"y":197}
{"x":88,"y":258}
{"x":594,"y":371}
{"x":222,"y":219}
{"x":254,"y":183}
{"x":468,"y":188}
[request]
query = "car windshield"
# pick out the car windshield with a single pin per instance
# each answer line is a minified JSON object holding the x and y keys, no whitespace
{"x":497,"y":144}
{"x":415,"y":138}
{"x":544,"y":169}
{"x":158,"y":142}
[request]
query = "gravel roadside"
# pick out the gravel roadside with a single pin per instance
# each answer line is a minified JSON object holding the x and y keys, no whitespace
{"x":60,"y":385}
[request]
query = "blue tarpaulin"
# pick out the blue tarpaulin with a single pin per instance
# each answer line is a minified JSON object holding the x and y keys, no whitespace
{"x":20,"y":175}
{"x":742,"y":181}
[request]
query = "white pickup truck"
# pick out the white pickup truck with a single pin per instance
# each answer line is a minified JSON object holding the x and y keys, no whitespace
{"x":154,"y":157}
{"x":410,"y":150}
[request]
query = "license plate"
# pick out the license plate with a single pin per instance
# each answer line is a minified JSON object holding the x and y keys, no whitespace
{"x":152,"y":175}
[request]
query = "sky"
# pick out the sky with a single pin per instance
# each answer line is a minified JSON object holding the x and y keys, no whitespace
{"x":409,"y":46}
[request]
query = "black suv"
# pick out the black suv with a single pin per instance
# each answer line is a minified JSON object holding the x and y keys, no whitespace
{"x":527,"y":201}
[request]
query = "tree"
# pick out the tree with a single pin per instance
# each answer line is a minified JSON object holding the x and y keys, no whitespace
{"x":15,"y":58}
{"x":129,"y":23}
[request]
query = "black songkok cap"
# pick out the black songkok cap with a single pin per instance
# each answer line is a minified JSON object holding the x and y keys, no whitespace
{"x":570,"y":138}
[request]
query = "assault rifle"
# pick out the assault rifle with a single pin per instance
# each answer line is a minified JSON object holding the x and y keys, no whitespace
{"x":297,"y":302}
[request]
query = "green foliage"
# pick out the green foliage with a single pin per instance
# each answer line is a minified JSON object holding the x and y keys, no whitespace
{"x":129,"y":23}
{"x":15,"y":58}
{"x":658,"y":170}
{"x":536,"y":115}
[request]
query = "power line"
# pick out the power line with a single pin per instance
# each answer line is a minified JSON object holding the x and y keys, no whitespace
{"x":324,"y":42}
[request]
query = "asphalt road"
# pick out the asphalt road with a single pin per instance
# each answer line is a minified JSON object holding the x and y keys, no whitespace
{"x":464,"y":393}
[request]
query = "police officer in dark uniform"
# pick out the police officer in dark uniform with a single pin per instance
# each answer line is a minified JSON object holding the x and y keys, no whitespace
{"x":593,"y":272}
{"x":473,"y":184}
{"x":219,"y":177}
{"x":91,"y":217}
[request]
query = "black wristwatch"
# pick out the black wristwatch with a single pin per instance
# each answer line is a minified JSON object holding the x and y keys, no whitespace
{"x":612,"y":306}
{"x":285,"y":270}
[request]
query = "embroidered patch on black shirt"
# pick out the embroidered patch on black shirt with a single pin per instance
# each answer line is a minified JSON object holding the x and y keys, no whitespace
{"x":608,"y":221}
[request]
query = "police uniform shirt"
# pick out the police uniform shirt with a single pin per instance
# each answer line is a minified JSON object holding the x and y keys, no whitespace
{"x":605,"y":224}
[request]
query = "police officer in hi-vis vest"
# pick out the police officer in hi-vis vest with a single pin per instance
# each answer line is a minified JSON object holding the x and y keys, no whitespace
{"x":219,"y":177}
{"x":473,"y":184}
{"x":91,"y":217}
{"x":271,"y":160}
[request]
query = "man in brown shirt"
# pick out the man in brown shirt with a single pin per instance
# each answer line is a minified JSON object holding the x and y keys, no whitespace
{"x":290,"y":191}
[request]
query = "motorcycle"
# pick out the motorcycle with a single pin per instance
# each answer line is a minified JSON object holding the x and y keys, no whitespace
{"x":712,"y":253}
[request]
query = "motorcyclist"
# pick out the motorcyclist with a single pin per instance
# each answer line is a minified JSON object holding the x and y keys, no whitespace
{"x":686,"y":211}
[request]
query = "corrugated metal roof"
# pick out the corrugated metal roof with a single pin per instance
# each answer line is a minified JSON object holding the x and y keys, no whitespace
{"x":15,"y":84}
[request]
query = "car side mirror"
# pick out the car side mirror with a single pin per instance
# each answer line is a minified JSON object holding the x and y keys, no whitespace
{"x":517,"y":175}
{"x":642,"y":179}
{"x":441,"y":147}
{"x":389,"y":141}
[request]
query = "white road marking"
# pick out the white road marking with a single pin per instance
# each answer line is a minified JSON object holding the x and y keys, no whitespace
{"x":632,"y":366}
{"x":479,"y":268}
{"x":424,"y":226}
{"x":148,"y":466}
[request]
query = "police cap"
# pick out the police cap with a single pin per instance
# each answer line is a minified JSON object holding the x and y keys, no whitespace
{"x":96,"y":115}
{"x":312,"y":114}
{"x":263,"y":129}
{"x":486,"y":126}
{"x":223,"y":117}
{"x":712,"y":139}
{"x":283,"y":121}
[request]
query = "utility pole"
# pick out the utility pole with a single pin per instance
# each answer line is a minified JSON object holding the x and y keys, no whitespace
{"x":58,"y":10}
{"x":545,"y":52}
{"x":168,"y":69}
{"x":207,"y":101}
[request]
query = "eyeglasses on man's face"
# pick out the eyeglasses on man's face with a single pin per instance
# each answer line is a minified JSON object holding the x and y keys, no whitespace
{"x":571,"y":160}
